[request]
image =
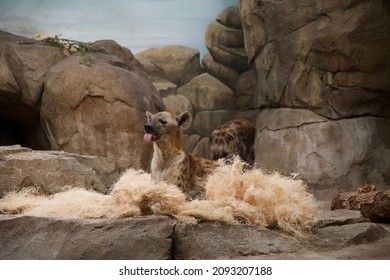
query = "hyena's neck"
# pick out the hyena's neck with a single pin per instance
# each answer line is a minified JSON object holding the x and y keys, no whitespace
{"x":169,"y":147}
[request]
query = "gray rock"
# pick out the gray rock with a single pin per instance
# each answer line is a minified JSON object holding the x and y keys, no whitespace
{"x":220,"y":241}
{"x":48,"y":239}
{"x":307,"y":56}
{"x":338,"y":217}
{"x":352,"y":234}
{"x":51,"y":172}
{"x":158,"y":237}
{"x":332,"y":156}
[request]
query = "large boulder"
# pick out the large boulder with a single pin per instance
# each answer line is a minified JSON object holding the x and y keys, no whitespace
{"x":332,"y":57}
{"x":207,"y":93}
{"x":178,"y":64}
{"x":23,"y":66}
{"x":230,"y":17}
{"x":333,"y":156}
{"x":93,"y":105}
{"x":50,"y":172}
{"x":213,"y":103}
{"x":219,"y":241}
{"x":125,"y":57}
{"x":226,"y":46}
{"x":47,"y":239}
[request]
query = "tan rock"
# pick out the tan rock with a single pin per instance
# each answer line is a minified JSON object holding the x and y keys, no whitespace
{"x":202,"y":148}
{"x":226,"y":46}
{"x":230,"y":17}
{"x":98,"y":109}
{"x":206,"y":92}
{"x":175,"y":63}
{"x":178,"y":104}
{"x":307,"y":55}
{"x":206,"y":121}
{"x":23,"y":67}
{"x":223,"y":73}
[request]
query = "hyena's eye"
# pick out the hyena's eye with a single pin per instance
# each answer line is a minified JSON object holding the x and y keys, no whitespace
{"x":163,"y":122}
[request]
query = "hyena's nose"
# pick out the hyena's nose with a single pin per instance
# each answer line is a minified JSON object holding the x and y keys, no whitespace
{"x":148,"y":128}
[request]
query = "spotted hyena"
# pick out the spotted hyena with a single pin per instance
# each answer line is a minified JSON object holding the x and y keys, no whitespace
{"x":170,"y":162}
{"x":235,"y":137}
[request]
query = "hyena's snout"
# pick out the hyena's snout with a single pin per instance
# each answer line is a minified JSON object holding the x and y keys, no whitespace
{"x":149,"y":127}
{"x":151,"y":133}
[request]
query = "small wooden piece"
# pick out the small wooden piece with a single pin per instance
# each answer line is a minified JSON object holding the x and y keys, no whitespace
{"x":379,"y":210}
{"x":353,"y":200}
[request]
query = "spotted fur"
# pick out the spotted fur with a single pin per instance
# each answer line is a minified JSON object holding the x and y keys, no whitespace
{"x":170,"y":162}
{"x":235,"y":137}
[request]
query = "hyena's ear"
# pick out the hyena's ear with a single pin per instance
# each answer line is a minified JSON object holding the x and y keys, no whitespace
{"x":149,"y":116}
{"x":184,"y":120}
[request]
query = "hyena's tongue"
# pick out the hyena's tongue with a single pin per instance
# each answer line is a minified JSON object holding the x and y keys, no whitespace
{"x":148,"y":137}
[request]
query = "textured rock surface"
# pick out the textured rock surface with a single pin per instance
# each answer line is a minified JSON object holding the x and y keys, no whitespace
{"x":245,"y":90}
{"x":223,"y":73}
{"x":87,"y":103}
{"x":206,"y":92}
{"x":342,"y":235}
{"x":46,"y":239}
{"x":23,"y":68}
{"x":99,"y":110}
{"x":177,"y":64}
{"x":178,"y":104}
{"x":332,"y":156}
{"x":51,"y":172}
{"x":219,"y":241}
{"x":122,"y":57}
{"x":230,"y":17}
{"x":226,"y":45}
{"x":206,"y":121}
{"x":330,"y":57}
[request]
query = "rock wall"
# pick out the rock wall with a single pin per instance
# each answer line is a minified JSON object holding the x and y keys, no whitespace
{"x":89,"y":103}
{"x":161,"y":237}
{"x":322,"y":84}
{"x":208,"y":89}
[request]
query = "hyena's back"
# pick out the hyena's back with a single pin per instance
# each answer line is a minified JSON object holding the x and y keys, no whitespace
{"x":235,"y":137}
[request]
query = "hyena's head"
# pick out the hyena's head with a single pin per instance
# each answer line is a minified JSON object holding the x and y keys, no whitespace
{"x":165,"y":126}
